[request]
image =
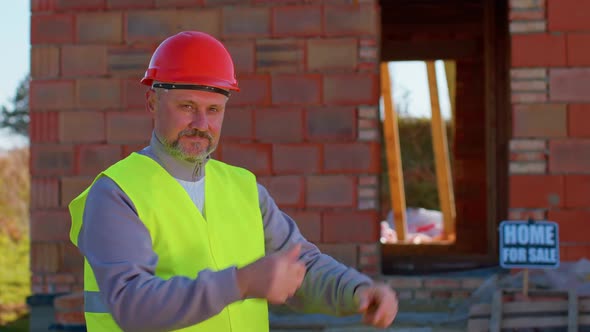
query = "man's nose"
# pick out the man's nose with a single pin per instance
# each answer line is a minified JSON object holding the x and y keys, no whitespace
{"x":199,"y":121}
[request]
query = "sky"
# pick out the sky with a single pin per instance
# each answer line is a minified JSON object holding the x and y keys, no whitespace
{"x":15,"y":37}
{"x":15,"y":64}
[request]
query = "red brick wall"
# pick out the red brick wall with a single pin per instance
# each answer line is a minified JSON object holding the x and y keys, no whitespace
{"x":549,"y":161}
{"x":305,"y":121}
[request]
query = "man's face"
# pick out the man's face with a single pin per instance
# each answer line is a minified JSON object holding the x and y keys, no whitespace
{"x":188,"y":122}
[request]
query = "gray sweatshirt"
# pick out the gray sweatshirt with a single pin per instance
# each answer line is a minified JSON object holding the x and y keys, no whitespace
{"x":118,"y":247}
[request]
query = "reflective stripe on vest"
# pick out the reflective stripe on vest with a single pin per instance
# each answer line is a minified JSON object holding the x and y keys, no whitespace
{"x":232,"y":234}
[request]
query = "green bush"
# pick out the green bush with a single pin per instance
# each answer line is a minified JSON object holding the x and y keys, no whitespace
{"x":417,"y":163}
{"x":14,"y":234}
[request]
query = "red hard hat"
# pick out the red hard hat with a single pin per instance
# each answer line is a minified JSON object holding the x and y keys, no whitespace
{"x":192,"y":58}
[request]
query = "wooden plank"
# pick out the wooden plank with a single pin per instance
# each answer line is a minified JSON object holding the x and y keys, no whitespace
{"x":396,"y":50}
{"x":572,"y":311}
{"x":444,"y":179}
{"x":496,"y":318}
{"x":394,"y":160}
{"x":529,"y":322}
{"x":521,"y":307}
{"x":451,"y":74}
{"x":478,"y":325}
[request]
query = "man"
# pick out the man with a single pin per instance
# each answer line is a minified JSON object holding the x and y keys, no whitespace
{"x":174,"y":239}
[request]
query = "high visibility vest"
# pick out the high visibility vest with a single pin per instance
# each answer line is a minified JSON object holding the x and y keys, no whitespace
{"x":185,"y":242}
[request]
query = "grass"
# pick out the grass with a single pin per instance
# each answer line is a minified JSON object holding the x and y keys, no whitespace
{"x":14,"y":239}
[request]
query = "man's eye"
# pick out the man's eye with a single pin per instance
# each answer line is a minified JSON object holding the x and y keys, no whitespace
{"x":187,"y":107}
{"x":213,"y":109}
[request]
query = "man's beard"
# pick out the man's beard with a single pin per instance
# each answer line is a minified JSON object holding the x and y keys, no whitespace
{"x":177,"y":150}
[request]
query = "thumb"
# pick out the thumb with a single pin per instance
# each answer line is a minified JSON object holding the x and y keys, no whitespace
{"x":293,"y":252}
{"x":363,"y":301}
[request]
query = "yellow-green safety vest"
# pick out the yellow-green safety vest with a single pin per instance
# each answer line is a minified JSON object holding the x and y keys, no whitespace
{"x":184,"y":241}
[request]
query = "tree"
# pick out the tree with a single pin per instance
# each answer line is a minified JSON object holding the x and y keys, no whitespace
{"x":15,"y":117}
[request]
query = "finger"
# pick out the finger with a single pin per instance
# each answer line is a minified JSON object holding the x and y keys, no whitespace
{"x":293,"y":253}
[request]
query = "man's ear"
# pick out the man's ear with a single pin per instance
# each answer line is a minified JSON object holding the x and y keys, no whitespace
{"x":151,"y":99}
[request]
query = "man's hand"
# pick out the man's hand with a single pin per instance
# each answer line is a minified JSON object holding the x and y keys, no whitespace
{"x":378,"y":304}
{"x":275,"y":277}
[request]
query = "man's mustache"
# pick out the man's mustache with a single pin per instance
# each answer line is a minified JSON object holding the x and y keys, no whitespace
{"x":195,"y":132}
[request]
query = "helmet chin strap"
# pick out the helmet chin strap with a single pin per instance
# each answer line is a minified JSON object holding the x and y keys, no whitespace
{"x":171,"y":86}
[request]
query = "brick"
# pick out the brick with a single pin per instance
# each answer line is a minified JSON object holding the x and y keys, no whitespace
{"x":334,"y":53}
{"x":246,"y":21}
{"x":43,"y":5}
{"x":343,"y":253}
{"x":69,"y":302}
{"x":367,"y":204}
{"x":45,"y":257}
{"x":50,"y":225}
{"x":405,"y":283}
{"x":368,"y":260}
{"x":471,"y":283}
{"x":578,"y":51}
{"x":133,"y":94}
{"x":368,"y":124}
{"x":330,"y":191}
{"x":296,"y":89}
{"x":527,"y":145}
{"x":99,"y":27}
{"x":52,"y":29}
{"x":359,"y":19}
{"x":279,"y":125}
{"x":80,"y":4}
{"x":130,"y":4}
{"x":72,"y":186}
{"x":128,"y":62}
{"x":238,"y":123}
{"x":569,"y":84}
{"x":338,"y":89}
{"x":571,"y":155}
{"x":535,"y":167}
{"x":243,"y":55}
{"x":44,"y":192}
{"x":438,"y":283}
{"x":308,"y":222}
{"x":93,"y":159}
{"x":51,"y":159}
{"x":368,"y":180}
{"x":537,"y":85}
{"x":526,"y":4}
{"x":254,"y":157}
{"x":528,"y":156}
{"x":568,"y":15}
{"x":536,"y":191}
{"x":526,"y":214}
{"x":578,"y":118}
{"x":221,"y":2}
{"x":527,"y":26}
{"x":528,"y":97}
{"x":51,"y":95}
{"x":350,"y":227}
{"x":528,"y":73}
{"x":153,"y":26}
{"x":71,"y":258}
{"x":369,"y":249}
{"x":81,"y":127}
{"x":405,"y":294}
{"x":352,"y":158}
{"x":70,"y":318}
{"x":118,"y":124}
{"x":177,"y":3}
{"x":297,"y":21}
{"x":61,"y":278}
{"x":540,"y":120}
{"x":364,"y":192}
{"x":532,"y":14}
{"x":574,"y":253}
{"x":538,"y":49}
{"x":332,"y":123}
{"x":130,"y":148}
{"x":279,"y":55}
{"x":572,"y":224}
{"x":286,"y":191}
{"x":43,"y":127}
{"x":577,"y":191}
{"x":296,"y":158}
{"x":254,"y":90}
{"x":44,"y":62}
{"x":98,"y":93}
{"x":83,"y":60}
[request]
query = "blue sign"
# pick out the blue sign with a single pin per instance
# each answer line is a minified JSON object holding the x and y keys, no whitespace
{"x":529,"y":244}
